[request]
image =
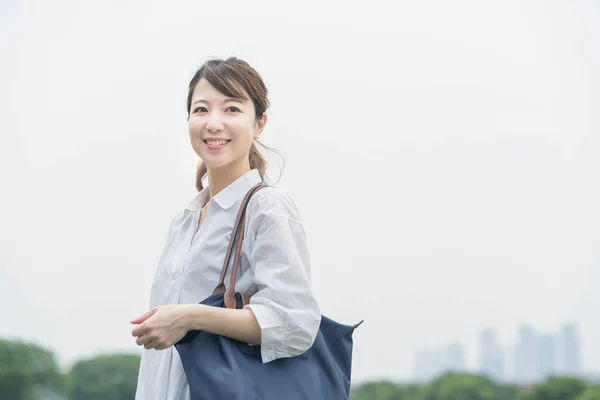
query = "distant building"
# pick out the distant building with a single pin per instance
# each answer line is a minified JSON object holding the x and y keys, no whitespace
{"x":453,"y":358}
{"x":547,"y":355}
{"x":426,"y":365}
{"x":491,"y":356}
{"x":526,"y":357}
{"x":431,"y":363}
{"x":569,"y":351}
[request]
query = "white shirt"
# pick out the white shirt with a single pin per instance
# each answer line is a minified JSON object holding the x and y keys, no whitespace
{"x":274,"y":269}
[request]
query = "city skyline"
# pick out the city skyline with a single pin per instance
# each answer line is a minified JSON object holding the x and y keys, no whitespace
{"x":535,"y":355}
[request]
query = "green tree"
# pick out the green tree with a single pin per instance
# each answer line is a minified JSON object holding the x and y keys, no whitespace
{"x":382,"y":390}
{"x":559,"y":388}
{"x":506,"y":392}
{"x":454,"y":386}
{"x":104,"y":377}
{"x":386,"y":390}
{"x":26,"y":370}
{"x":524,"y":395}
{"x":591,"y":393}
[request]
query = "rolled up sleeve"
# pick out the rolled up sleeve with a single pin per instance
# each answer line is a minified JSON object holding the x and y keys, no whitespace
{"x":284,"y":305}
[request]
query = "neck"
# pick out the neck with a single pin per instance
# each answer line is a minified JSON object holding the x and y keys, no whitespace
{"x":220,"y":178}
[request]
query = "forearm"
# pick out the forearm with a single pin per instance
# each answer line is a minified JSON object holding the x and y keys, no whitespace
{"x":238,"y":324}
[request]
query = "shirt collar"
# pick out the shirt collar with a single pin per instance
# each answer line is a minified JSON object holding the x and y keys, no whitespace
{"x":230,"y":194}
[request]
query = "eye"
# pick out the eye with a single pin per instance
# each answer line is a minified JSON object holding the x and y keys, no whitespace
{"x":200,"y":109}
{"x":234,"y":109}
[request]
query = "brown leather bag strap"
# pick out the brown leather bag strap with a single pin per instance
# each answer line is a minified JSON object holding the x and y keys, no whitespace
{"x":235,"y":234}
{"x":229,"y":297}
{"x":221,"y":286}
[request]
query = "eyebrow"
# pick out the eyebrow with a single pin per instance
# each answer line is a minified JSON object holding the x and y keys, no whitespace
{"x":227,"y":100}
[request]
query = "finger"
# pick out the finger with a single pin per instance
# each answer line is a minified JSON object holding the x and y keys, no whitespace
{"x":143,"y":317}
{"x":148,"y":345}
{"x":138,"y":330}
{"x":143,"y":340}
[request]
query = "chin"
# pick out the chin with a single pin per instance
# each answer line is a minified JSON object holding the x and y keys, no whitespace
{"x":216,"y":164}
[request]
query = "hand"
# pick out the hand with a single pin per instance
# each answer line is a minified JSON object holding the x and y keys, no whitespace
{"x":160,"y":327}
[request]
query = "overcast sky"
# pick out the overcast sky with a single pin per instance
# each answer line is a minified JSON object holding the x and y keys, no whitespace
{"x":443,"y":155}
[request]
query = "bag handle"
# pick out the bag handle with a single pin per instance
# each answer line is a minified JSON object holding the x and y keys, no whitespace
{"x":238,"y":233}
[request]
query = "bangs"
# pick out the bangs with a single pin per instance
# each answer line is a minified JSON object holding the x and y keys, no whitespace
{"x":225,"y":80}
{"x":233,"y":78}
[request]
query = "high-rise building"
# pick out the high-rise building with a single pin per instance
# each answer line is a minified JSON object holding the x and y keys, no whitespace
{"x":426,"y":365}
{"x":526,"y":357}
{"x":547,"y":355}
{"x":491,"y":356}
{"x":431,"y":363}
{"x":453,"y":358}
{"x":569,"y":351}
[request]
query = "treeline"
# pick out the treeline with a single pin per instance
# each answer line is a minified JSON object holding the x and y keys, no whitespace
{"x":30,"y":372}
{"x":455,"y":386}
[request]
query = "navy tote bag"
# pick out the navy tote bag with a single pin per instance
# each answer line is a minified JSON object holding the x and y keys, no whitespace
{"x":219,"y":368}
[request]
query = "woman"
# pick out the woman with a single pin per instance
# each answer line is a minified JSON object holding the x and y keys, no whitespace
{"x":226,"y":106}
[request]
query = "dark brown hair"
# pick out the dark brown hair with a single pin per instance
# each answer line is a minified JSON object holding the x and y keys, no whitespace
{"x":237,"y":79}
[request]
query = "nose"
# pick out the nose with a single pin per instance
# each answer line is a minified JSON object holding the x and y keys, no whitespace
{"x":214,"y":123}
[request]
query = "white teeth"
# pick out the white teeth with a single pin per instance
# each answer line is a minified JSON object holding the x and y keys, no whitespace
{"x":216,"y":142}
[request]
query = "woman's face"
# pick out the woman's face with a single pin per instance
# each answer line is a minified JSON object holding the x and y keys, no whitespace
{"x":222,"y":129}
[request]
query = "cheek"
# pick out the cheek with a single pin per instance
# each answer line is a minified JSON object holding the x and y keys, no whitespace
{"x":244,"y":141}
{"x":195,"y":127}
{"x":194,"y":133}
{"x":245,"y":132}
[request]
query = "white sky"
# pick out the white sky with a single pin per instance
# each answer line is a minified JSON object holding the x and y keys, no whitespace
{"x":444,"y":157}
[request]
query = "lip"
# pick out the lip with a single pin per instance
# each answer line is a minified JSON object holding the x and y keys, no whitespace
{"x":215,"y":147}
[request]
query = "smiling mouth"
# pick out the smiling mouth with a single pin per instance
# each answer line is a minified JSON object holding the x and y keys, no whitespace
{"x":216,"y":142}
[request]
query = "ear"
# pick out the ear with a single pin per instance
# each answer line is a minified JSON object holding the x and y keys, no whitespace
{"x":260,"y":125}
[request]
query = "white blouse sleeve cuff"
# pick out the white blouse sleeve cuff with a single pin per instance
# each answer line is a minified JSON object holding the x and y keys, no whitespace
{"x":272,"y":332}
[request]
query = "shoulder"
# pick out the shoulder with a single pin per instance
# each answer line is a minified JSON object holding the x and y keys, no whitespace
{"x":271,"y":204}
{"x":176,"y":221}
